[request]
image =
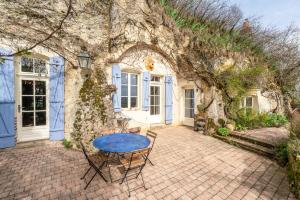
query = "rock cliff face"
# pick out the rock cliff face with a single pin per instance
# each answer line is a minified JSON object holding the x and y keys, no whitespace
{"x":116,"y":31}
{"x":122,"y":30}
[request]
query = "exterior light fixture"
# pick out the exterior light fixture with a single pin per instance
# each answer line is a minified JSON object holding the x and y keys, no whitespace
{"x":84,"y":59}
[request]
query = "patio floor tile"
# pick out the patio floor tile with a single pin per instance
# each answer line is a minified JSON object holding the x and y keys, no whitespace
{"x":187,"y":165}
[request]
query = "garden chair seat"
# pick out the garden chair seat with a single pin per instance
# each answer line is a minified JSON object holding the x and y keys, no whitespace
{"x":137,"y":161}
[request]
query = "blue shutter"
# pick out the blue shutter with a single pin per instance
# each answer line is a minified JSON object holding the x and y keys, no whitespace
{"x":57,"y":98}
{"x":116,"y":80}
{"x":146,"y":90}
{"x":168,"y":99}
{"x":7,"y":101}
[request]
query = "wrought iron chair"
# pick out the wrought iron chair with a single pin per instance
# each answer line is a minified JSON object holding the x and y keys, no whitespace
{"x":134,"y":166}
{"x":92,"y":160}
{"x":152,"y":136}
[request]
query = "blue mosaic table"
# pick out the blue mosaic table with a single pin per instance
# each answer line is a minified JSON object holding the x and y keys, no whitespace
{"x":121,"y":142}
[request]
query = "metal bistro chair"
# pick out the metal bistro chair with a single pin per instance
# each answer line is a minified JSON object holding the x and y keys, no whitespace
{"x":90,"y":159}
{"x":152,"y":136}
{"x":134,"y":166}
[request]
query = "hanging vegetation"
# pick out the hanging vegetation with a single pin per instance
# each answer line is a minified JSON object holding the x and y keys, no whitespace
{"x":94,"y":104}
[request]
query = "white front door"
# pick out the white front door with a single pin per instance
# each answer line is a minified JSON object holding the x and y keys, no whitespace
{"x":189,"y":107}
{"x":32,"y":107}
{"x":155,"y":104}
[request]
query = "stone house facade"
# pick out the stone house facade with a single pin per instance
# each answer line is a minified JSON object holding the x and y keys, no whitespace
{"x":39,"y":92}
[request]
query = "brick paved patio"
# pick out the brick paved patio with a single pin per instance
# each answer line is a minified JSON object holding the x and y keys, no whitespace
{"x":187,"y":166}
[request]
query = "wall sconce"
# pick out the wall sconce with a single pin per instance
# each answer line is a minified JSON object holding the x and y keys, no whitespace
{"x":84,"y":59}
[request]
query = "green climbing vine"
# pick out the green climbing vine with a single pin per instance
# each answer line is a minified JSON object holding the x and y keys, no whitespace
{"x":93,"y":108}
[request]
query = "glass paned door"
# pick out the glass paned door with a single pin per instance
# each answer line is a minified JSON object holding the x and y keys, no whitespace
{"x":189,"y":108}
{"x":33,"y":103}
{"x":154,"y":100}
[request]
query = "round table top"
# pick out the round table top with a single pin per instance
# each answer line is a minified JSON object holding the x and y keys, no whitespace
{"x":121,"y":142}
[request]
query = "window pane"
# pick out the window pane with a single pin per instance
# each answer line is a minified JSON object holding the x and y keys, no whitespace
{"x":40,"y":118}
{"x":40,"y":87}
{"x":152,"y":110}
{"x":27,"y":87}
{"x":248,"y":101}
{"x":27,"y":103}
{"x":124,"y":102}
{"x":192,"y":113}
{"x":189,"y":93}
{"x":156,"y":100}
{"x":157,"y":111}
{"x":156,"y":90}
{"x":26,"y":64}
{"x":133,"y":91}
{"x":155,"y":78}
{"x":124,"y":78}
{"x":133,"y":79}
{"x":152,"y":100}
{"x":191,"y":103}
{"x":39,"y":66}
{"x":133,"y":102}
{"x":27,"y":119}
{"x":124,"y":90}
{"x":152,"y":90}
{"x":40,"y":103}
{"x":189,"y":113}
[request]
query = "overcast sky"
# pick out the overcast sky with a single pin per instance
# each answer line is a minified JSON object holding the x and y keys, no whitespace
{"x":278,"y":13}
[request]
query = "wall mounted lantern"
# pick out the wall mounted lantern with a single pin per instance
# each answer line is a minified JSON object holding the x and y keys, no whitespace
{"x":84,"y":59}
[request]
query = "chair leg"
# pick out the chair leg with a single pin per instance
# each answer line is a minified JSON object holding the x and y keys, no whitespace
{"x":86,"y":173}
{"x":125,"y":175}
{"x":150,"y":162}
{"x":128,"y":188}
{"x":90,"y":181}
{"x":143,"y":181}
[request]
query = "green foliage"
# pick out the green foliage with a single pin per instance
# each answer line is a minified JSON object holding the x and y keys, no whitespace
{"x":294,"y":165}
{"x":295,"y":103}
{"x":67,"y":144}
{"x":281,"y":154}
{"x":211,"y":35}
{"x":294,"y":147}
{"x":272,"y":120}
{"x":249,"y":119}
{"x":91,"y":108}
{"x":223,"y":131}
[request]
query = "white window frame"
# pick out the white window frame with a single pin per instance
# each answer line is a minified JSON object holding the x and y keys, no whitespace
{"x":129,"y":91}
{"x":245,"y":102}
{"x":33,"y":73}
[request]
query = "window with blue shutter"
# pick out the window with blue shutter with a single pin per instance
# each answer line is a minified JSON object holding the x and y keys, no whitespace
{"x":56,"y":103}
{"x":168,"y":99}
{"x":116,"y":80}
{"x":146,"y":90}
{"x":7,"y":101}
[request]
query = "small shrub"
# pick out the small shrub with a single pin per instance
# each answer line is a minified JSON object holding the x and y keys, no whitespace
{"x":223,"y":131}
{"x":67,"y":144}
{"x":249,"y":119}
{"x":273,"y":120}
{"x":281,"y":154}
{"x":294,"y":166}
